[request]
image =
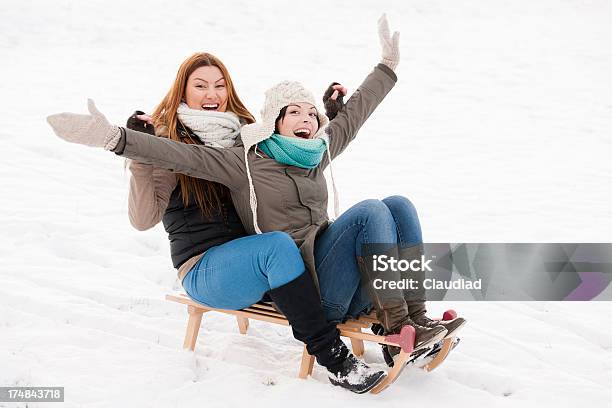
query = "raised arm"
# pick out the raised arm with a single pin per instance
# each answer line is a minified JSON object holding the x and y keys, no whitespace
{"x":344,"y":127}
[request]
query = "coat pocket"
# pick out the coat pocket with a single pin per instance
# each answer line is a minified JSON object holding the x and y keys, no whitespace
{"x":311,"y":192}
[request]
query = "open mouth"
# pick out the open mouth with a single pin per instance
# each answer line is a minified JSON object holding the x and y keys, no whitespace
{"x":210,"y":106}
{"x":302,"y":132}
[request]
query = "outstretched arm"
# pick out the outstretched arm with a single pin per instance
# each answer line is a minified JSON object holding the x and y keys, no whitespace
{"x":223,"y":166}
{"x":344,"y":127}
{"x":215,"y":164}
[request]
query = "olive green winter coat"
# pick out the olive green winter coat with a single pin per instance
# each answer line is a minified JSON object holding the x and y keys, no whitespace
{"x":290,"y":199}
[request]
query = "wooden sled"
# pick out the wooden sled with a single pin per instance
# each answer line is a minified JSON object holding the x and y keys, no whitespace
{"x":351,"y":329}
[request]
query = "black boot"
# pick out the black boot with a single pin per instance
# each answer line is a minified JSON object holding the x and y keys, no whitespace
{"x":299,"y":301}
{"x":352,"y":373}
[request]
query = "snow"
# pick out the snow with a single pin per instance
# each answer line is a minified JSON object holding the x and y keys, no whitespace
{"x":498,"y":130}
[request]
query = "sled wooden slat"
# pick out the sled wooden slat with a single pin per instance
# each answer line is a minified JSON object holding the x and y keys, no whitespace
{"x":354,"y":324}
{"x":351,"y":334}
{"x":264,"y":312}
{"x":264,"y":306}
{"x":267,"y":313}
{"x":241,"y":313}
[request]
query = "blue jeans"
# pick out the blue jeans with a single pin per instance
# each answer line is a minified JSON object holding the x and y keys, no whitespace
{"x":392,"y":221}
{"x":238,"y":273}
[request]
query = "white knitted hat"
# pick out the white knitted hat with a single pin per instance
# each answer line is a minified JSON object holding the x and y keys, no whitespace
{"x":277,"y":97}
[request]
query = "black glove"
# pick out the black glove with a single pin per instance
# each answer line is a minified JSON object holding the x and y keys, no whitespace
{"x":134,"y":123}
{"x":332,"y":107}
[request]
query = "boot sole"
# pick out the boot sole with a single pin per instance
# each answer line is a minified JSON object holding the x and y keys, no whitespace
{"x":429,"y":343}
{"x":454,"y":332}
{"x":418,"y":352}
{"x":369,"y":387}
{"x":378,"y":381}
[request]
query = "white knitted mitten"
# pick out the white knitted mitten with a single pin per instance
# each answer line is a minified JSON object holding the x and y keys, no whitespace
{"x":90,"y":130}
{"x":390,"y":45}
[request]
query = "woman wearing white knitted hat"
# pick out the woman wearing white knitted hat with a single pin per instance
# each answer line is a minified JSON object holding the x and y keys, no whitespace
{"x":276,"y":178}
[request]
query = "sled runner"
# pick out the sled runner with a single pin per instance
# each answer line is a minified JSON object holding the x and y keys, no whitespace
{"x":351,"y":329}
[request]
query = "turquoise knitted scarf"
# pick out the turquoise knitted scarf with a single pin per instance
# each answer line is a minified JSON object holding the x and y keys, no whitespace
{"x":305,"y":153}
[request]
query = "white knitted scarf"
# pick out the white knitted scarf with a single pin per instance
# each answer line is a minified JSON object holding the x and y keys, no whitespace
{"x":216,"y":129}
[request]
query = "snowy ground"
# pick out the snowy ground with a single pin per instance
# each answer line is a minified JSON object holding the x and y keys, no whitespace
{"x":498,"y":130}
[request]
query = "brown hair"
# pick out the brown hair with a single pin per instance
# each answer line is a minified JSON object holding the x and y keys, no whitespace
{"x":165,"y":118}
